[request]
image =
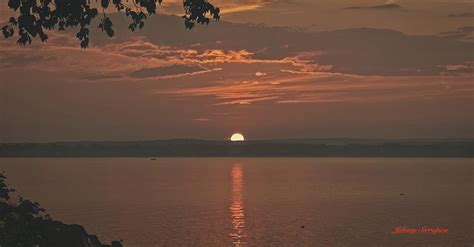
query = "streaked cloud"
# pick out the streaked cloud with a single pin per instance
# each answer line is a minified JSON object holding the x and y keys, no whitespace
{"x":465,"y":33}
{"x":329,"y":87}
{"x":387,"y":6}
{"x":172,"y":70}
{"x":462,"y":15}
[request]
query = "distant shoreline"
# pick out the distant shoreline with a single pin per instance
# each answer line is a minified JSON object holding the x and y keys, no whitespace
{"x":211,"y":157}
{"x":278,"y":148}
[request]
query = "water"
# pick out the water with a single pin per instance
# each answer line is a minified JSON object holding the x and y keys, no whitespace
{"x":254,"y":201}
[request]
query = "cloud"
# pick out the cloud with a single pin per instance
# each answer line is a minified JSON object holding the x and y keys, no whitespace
{"x":173,"y":70}
{"x":358,"y":51}
{"x":226,"y":6}
{"x":462,"y":15}
{"x":465,"y":33}
{"x":460,"y":68}
{"x":299,"y":67}
{"x":387,"y":6}
{"x":99,"y":76}
{"x":329,"y":87}
{"x":361,"y":51}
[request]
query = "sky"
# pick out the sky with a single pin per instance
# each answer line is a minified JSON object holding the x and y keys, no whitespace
{"x":270,"y":69}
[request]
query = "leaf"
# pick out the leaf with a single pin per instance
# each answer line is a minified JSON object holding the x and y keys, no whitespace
{"x":14,"y":4}
{"x":105,"y":3}
{"x":85,"y":43}
{"x":13,"y":21}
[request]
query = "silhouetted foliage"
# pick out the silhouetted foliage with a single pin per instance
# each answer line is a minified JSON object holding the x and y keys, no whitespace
{"x":36,"y":16}
{"x":4,"y":188}
{"x":17,"y":217}
{"x":23,"y":223}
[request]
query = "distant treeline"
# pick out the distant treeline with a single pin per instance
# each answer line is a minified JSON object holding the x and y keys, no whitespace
{"x":201,"y":148}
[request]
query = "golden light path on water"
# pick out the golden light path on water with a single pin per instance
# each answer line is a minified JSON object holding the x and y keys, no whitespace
{"x":237,"y":210}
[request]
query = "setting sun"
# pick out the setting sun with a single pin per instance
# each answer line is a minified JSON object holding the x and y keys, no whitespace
{"x":237,"y":137}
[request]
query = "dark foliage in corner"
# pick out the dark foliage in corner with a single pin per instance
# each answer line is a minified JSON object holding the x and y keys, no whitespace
{"x":23,"y":223}
{"x":36,"y":16}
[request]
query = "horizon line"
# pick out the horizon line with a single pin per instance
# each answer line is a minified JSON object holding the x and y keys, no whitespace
{"x":254,"y":140}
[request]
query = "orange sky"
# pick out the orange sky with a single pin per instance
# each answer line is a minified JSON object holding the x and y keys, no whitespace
{"x":359,"y":72}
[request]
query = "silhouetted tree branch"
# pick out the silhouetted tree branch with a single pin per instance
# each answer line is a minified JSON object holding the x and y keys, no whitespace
{"x":36,"y":16}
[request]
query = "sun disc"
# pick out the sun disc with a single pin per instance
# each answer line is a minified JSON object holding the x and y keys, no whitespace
{"x":237,"y":137}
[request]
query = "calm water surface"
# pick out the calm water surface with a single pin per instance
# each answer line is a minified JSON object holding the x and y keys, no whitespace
{"x":254,"y":201}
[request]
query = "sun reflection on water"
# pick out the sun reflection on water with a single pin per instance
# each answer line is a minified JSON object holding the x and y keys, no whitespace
{"x":236,"y":208}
